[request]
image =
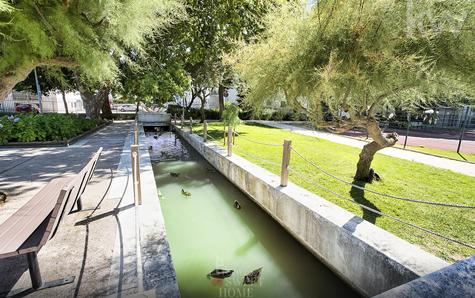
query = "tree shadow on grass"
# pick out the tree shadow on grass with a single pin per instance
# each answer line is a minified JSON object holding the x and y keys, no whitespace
{"x":359,"y":196}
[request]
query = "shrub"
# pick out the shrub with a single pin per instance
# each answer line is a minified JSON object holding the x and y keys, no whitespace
{"x":193,"y":112}
{"x":27,"y":127}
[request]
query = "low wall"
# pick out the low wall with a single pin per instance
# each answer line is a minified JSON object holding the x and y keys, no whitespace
{"x":155,"y":118}
{"x":368,"y":258}
{"x":456,"y":280}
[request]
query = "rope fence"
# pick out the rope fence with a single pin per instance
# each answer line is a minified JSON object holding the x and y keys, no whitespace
{"x":379,"y":193}
{"x":285,"y":168}
{"x":256,"y":142}
{"x":305,"y":177}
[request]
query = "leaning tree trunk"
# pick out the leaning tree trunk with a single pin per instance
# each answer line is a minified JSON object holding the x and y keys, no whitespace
{"x":10,"y":78}
{"x":380,"y":141}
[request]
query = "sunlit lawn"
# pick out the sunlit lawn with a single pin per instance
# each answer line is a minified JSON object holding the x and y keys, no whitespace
{"x":399,"y":177}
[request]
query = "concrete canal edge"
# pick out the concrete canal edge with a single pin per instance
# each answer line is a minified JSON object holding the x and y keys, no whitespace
{"x":368,"y":258}
{"x":143,"y":265}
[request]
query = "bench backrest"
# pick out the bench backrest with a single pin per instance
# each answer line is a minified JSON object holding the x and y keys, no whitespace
{"x":69,"y":196}
{"x":37,"y":221}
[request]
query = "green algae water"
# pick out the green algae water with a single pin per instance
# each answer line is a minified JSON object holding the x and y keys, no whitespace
{"x":206,"y":231}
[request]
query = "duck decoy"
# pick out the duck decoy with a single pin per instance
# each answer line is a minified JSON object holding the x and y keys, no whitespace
{"x":173,"y":174}
{"x":220,"y":273}
{"x":252,"y":277}
{"x":237,"y":205}
{"x":185,"y":193}
{"x":3,"y":197}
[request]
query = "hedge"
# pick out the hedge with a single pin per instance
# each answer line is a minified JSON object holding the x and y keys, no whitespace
{"x":29,"y":127}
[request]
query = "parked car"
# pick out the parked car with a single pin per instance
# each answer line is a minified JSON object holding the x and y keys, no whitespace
{"x":128,"y":107}
{"x":26,"y":108}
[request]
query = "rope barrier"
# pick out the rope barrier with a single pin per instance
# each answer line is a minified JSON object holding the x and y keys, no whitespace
{"x":383,"y":194}
{"x":389,"y":216}
{"x":257,"y":157}
{"x":260,"y":143}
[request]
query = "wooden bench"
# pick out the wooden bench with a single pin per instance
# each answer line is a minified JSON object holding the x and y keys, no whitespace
{"x":31,"y":226}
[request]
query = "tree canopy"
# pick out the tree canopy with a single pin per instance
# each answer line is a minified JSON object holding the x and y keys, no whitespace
{"x":358,"y":56}
{"x":88,"y":35}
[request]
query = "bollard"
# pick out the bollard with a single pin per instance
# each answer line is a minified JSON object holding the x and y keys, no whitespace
{"x":182,"y":120}
{"x":284,"y":174}
{"x":230,"y":141}
{"x":174,"y":119}
{"x":135,"y":160}
{"x":191,"y":125}
{"x":205,"y":131}
{"x":136,"y":134}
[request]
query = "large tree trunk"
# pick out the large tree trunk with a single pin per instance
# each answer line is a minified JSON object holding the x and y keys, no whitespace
{"x":93,"y":101}
{"x":221,"y":90}
{"x":380,"y":141}
{"x":63,"y":94}
{"x":106,"y":107}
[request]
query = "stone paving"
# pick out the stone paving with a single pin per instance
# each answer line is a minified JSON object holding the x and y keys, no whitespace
{"x":102,"y":252}
{"x":434,"y":161}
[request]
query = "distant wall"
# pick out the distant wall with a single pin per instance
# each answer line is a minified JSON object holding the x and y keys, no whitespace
{"x":368,"y":258}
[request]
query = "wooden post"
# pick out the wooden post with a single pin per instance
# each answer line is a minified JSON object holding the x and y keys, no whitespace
{"x":284,"y":174}
{"x":230,"y":141}
{"x":136,"y":134}
{"x":205,"y":131}
{"x":191,"y":125}
{"x":182,"y":120}
{"x":135,"y":160}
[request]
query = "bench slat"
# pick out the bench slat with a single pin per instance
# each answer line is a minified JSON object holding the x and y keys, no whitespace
{"x":29,"y":228}
{"x":21,"y":225}
{"x":33,"y":243}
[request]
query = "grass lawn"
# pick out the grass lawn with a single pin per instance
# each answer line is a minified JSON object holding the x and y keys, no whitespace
{"x":399,"y":177}
{"x":443,"y":153}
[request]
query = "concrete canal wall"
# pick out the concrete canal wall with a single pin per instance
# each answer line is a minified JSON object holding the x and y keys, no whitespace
{"x":368,"y":258}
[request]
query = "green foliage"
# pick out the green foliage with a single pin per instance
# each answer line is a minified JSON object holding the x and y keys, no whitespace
{"x":42,"y":127}
{"x":4,"y":7}
{"x":88,"y":34}
{"x":193,"y":113}
{"x":231,"y":115}
{"x":361,"y":55}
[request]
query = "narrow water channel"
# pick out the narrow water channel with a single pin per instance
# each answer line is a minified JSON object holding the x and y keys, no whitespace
{"x":206,"y":231}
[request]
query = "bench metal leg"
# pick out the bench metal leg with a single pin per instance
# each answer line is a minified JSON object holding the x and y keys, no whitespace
{"x":79,"y":204}
{"x":36,"y":281}
{"x":34,"y":268}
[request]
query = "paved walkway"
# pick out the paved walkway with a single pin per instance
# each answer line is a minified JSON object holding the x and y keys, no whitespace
{"x":436,"y":140}
{"x":102,"y":252}
{"x":439,"y":162}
